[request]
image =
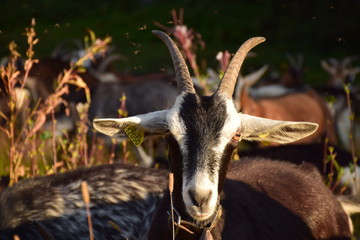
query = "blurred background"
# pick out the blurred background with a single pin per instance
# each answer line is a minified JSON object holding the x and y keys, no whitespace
{"x":48,"y":100}
{"x":46,"y":111}
{"x":316,"y":29}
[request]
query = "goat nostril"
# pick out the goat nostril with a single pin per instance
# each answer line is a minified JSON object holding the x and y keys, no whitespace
{"x":192,"y":195}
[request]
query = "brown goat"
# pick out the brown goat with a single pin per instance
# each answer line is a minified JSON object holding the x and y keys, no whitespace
{"x":305,"y":105}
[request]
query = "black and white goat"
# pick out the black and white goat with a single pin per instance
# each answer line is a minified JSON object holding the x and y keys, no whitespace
{"x":123,"y":200}
{"x":261,"y":199}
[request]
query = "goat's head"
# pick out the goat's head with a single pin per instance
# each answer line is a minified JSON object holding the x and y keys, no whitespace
{"x":341,"y":72}
{"x":204,"y":131}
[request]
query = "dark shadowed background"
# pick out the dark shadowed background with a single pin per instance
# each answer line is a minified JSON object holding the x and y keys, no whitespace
{"x":317,"y":29}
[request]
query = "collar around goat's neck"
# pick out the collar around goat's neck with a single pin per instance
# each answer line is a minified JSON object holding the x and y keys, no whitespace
{"x":184,"y":229}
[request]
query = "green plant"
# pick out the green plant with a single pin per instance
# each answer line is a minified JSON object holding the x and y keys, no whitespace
{"x":352,"y":141}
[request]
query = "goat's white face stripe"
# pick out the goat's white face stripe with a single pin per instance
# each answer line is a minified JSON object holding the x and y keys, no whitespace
{"x":175,"y":123}
{"x":231,"y":125}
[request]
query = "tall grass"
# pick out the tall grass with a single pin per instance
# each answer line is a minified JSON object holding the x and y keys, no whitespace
{"x":351,"y":137}
{"x":23,"y":126}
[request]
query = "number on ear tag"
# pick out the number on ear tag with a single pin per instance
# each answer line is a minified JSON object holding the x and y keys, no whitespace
{"x":135,"y":134}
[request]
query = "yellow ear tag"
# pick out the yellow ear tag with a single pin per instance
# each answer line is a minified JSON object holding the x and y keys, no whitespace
{"x":135,"y":134}
{"x":263,"y":135}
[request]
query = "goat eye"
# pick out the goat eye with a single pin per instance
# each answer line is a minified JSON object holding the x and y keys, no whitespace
{"x":237,"y":136}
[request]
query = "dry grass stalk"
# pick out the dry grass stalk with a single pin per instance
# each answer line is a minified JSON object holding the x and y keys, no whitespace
{"x":86,"y":198}
{"x":171,"y":189}
{"x":16,"y":237}
{"x":124,"y":113}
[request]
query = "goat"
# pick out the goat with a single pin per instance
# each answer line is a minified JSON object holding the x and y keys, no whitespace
{"x":304,"y":105}
{"x":22,"y":96}
{"x":294,"y":72}
{"x":342,"y":73}
{"x":262,"y":199}
{"x":289,"y":100}
{"x":143,"y":93}
{"x":298,"y":153}
{"x":315,"y":154}
{"x":123,"y":199}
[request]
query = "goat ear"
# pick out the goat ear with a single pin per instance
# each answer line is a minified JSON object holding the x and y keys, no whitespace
{"x":263,"y":129}
{"x":153,"y":123}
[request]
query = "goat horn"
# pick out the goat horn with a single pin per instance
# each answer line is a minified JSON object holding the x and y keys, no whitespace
{"x":183,"y":79}
{"x":228,"y":82}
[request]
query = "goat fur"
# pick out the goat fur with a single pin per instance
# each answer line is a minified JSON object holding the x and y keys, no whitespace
{"x":265,"y":199}
{"x":123,"y":194}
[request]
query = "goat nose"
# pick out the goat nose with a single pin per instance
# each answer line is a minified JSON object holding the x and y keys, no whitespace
{"x":200,"y":198}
